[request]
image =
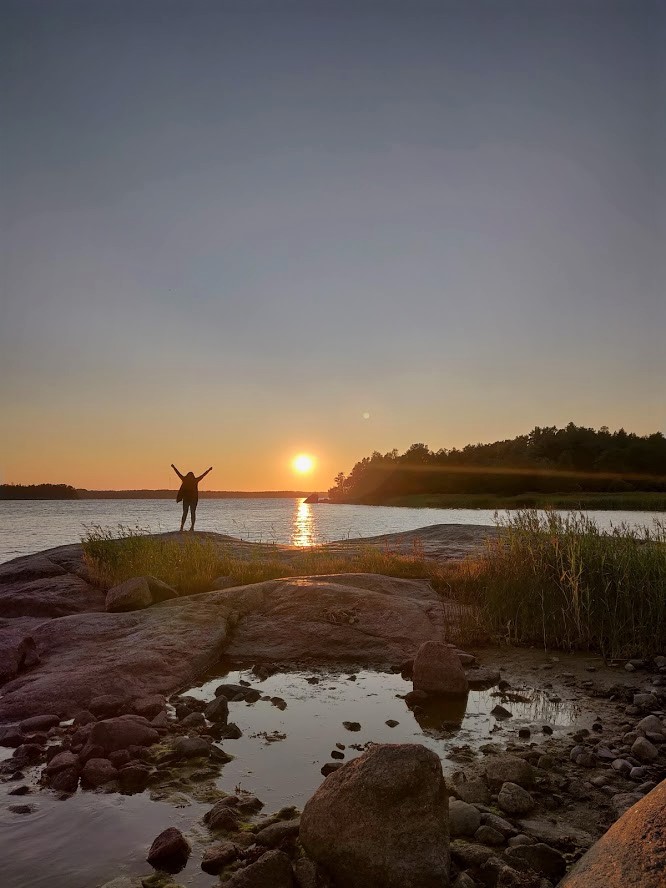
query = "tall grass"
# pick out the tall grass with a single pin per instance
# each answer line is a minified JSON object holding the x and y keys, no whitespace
{"x":191,"y":563}
{"x":559,"y":581}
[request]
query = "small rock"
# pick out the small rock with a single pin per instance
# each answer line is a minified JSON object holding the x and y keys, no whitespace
{"x":392,"y":723}
{"x":96,"y":772}
{"x":131,"y":595}
{"x":509,"y":769}
{"x":191,"y":747}
{"x":275,"y":834}
{"x":272,"y":870}
{"x":217,"y":710}
{"x":169,"y":851}
{"x":486,"y":835}
{"x":22,"y":809}
{"x":39,"y":723}
{"x":218,"y":856}
{"x":351,"y":726}
{"x":500,"y":712}
{"x":464,"y":819}
{"x":541,"y":858}
{"x":330,"y":767}
{"x":336,"y":754}
{"x":644,"y":750}
{"x":133,"y":777}
{"x":473,"y":791}
{"x":514,"y":799}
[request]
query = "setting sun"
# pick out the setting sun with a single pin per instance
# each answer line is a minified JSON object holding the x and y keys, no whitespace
{"x":302,"y":463}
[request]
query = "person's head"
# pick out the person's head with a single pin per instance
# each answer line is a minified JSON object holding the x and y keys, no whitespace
{"x":190,"y":476}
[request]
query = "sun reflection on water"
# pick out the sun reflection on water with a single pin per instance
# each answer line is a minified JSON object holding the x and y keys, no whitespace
{"x":303,"y":530}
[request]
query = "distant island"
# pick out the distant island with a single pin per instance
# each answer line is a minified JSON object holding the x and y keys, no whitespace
{"x":38,"y":492}
{"x":572,"y":467}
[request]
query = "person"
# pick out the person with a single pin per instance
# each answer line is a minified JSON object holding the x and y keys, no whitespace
{"x":189,"y":494}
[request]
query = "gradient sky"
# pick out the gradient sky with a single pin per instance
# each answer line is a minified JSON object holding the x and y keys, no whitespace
{"x":230,"y":229}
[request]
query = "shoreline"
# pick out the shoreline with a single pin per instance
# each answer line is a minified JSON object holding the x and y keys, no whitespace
{"x":587,"y":502}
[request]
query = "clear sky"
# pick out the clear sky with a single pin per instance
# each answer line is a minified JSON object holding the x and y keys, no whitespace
{"x":235,"y":230}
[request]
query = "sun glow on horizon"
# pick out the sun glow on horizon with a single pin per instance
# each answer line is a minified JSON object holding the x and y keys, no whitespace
{"x":303,"y":463}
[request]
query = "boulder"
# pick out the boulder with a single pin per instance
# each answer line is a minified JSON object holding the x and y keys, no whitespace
{"x":131,"y":595}
{"x":437,"y":670}
{"x":169,"y":851}
{"x":381,"y":821}
{"x":272,"y":870}
{"x":121,"y":732}
{"x":632,"y":854}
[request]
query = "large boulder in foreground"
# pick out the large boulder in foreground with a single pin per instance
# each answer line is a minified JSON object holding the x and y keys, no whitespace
{"x":632,"y":854}
{"x":437,"y":670}
{"x":381,"y":821}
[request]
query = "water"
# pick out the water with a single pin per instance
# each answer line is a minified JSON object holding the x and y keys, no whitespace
{"x":31,"y":526}
{"x":93,"y":837}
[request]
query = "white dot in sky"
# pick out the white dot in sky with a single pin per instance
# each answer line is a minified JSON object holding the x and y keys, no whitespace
{"x":365,"y":415}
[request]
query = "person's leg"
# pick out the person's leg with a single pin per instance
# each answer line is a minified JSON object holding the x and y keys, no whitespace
{"x":193,"y":514}
{"x":186,"y":506}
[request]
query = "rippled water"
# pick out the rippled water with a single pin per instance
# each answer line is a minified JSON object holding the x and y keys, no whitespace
{"x":30,"y":526}
{"x":93,"y":837}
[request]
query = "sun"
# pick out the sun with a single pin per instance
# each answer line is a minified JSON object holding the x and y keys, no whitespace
{"x":303,"y":463}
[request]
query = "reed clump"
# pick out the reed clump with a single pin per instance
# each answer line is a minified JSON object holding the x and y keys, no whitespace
{"x":561,"y":582}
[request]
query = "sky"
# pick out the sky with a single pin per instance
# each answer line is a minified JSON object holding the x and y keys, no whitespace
{"x":234,"y":231}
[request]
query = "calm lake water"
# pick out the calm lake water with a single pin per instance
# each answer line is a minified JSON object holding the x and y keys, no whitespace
{"x":30,"y":526}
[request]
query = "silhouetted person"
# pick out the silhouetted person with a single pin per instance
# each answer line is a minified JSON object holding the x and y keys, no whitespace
{"x":189,"y":494}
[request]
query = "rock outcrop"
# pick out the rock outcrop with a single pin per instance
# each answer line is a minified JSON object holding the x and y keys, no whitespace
{"x":381,"y":821}
{"x":632,"y":854}
{"x":158,"y":649}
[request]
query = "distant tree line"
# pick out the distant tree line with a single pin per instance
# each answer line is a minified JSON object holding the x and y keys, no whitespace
{"x":547,"y":460}
{"x":37,"y":492}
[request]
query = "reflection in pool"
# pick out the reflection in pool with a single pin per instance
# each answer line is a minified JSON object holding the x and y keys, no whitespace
{"x":287,"y":771}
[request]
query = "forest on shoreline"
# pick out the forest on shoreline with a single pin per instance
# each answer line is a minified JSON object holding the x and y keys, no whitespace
{"x":543,"y":465}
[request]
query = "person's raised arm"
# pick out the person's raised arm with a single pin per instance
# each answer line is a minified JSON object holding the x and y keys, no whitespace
{"x":204,"y":474}
{"x":182,"y":477}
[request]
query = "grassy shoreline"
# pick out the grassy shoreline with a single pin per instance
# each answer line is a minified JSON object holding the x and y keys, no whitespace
{"x":550,"y":580}
{"x":630,"y":502}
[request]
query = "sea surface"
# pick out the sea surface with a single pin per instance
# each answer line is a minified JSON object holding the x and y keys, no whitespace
{"x":30,"y":526}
